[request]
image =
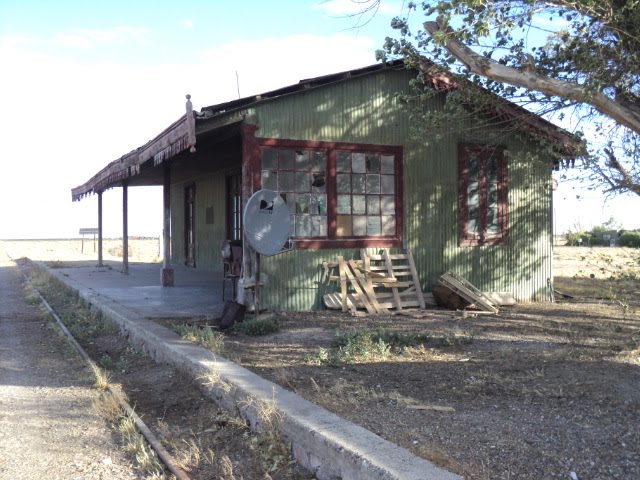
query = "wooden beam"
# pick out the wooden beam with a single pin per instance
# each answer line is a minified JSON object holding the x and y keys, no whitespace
{"x":125,"y":228}
{"x":100,"y":229}
{"x":167,"y":273}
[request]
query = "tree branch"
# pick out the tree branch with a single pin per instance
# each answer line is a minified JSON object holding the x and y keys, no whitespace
{"x":480,"y":65}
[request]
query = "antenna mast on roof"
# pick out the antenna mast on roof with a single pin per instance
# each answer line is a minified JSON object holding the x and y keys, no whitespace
{"x":238,"y":83}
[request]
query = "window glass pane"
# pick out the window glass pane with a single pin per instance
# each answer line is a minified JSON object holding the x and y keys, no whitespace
{"x":388,"y":204}
{"x":359,"y":204}
{"x":473,"y":195}
{"x":318,"y":161}
{"x":303,"y":225}
{"x":359,"y":183}
{"x":269,"y":179}
{"x":287,"y":181}
{"x":290,"y":200}
{"x":373,"y":225}
{"x":388,"y":224}
{"x":373,"y":183}
{"x":343,"y":226}
{"x":269,"y":159}
{"x":373,"y":205}
{"x":473,"y":223}
{"x":302,"y":160}
{"x":318,"y":226}
{"x":373,"y":163}
{"x":359,"y":226}
{"x":359,"y":163}
{"x":303,"y":182}
{"x":287,"y":159}
{"x":343,"y":162}
{"x":492,"y":170}
{"x":318,"y":183}
{"x":387,"y":183}
{"x":344,"y":204}
{"x":387,"y":164}
{"x":492,"y":221}
{"x":343,"y":182}
{"x":318,"y":205}
{"x":302,"y":203}
{"x":492,"y":195}
{"x":474,"y":165}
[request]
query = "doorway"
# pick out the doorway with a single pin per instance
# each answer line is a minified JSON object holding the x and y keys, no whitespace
{"x":190,"y":225}
{"x":234,"y":206}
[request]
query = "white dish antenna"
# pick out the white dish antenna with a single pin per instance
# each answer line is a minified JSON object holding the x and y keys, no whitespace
{"x":266,"y":222}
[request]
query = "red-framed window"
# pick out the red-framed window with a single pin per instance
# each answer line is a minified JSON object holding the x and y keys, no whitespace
{"x":482,"y":195}
{"x":338,"y":194}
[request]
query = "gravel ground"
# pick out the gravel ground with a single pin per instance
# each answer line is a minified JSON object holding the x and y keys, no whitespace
{"x":48,"y":429}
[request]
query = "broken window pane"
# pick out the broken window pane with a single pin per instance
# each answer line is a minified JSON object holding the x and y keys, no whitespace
{"x":269,"y":179}
{"x":387,"y":183}
{"x":343,"y":226}
{"x":359,"y":204}
{"x":492,"y":220}
{"x":343,"y":162}
{"x":359,"y":183}
{"x":343,"y":182}
{"x":290,"y":200}
{"x":318,"y":183}
{"x":473,"y":195}
{"x":358,"y":163}
{"x":474,"y":167}
{"x":318,"y":205}
{"x":269,"y":159}
{"x":492,"y":170}
{"x":373,"y":163}
{"x":318,"y":161}
{"x":302,"y":203}
{"x":344,"y":204}
{"x":287,"y":159}
{"x":373,"y":183}
{"x":388,"y":164}
{"x":373,"y":225}
{"x":359,"y":226}
{"x":473,"y":223}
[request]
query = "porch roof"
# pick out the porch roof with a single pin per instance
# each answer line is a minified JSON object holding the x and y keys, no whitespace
{"x":180,"y":137}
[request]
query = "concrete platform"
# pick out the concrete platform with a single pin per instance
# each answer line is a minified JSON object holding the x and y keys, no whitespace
{"x":327,"y":445}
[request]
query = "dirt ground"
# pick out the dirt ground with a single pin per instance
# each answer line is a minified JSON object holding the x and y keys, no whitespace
{"x":48,"y":428}
{"x":536,"y":392}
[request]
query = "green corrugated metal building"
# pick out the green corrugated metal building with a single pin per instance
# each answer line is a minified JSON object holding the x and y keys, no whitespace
{"x":356,"y":171}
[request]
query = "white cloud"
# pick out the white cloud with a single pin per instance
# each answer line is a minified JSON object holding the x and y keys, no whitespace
{"x":188,"y":24}
{"x":550,"y":23}
{"x":66,"y":119}
{"x":90,"y":38}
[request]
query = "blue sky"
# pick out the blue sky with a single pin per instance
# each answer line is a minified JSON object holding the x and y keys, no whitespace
{"x":85,"y":82}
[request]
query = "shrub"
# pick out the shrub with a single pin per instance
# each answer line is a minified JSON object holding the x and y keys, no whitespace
{"x":630,"y":239}
{"x":258,"y":327}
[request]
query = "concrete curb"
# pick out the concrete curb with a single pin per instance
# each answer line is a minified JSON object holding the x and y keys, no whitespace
{"x":325,"y":444}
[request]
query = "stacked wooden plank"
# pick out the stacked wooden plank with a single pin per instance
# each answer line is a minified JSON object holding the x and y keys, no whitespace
{"x":377,"y":283}
{"x":467,"y":291}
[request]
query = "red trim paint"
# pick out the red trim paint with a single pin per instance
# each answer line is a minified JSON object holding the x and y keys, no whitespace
{"x":332,"y":241}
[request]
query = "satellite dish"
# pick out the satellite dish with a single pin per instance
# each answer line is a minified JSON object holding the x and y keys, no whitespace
{"x":266,"y":222}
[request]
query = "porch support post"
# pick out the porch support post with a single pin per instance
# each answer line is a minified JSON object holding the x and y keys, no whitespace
{"x":100,"y":229}
{"x":125,"y":228}
{"x":250,"y":182}
{"x":166,"y":274}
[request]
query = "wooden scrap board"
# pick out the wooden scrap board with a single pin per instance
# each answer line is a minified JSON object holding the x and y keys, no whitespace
{"x":467,"y":291}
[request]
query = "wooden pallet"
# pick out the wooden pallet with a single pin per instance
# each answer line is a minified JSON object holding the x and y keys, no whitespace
{"x":467,"y":291}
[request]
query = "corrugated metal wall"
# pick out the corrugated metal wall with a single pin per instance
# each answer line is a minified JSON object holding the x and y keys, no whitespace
{"x":365,"y":110}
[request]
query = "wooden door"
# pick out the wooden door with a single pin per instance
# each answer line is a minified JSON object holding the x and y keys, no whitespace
{"x":190,"y":225}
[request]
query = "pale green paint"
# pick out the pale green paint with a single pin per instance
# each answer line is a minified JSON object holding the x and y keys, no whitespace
{"x":365,"y":110}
